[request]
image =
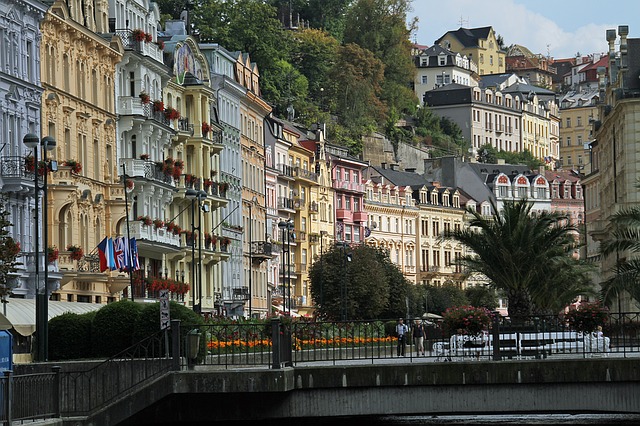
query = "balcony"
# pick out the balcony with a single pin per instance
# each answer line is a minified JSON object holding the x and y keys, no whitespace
{"x":286,"y":204}
{"x":135,"y":168}
{"x":499,"y":128}
{"x":313,"y":207}
{"x":314,"y":238}
{"x":344,"y":214}
{"x":261,"y":251}
{"x":15,"y":177}
{"x":301,"y":268}
{"x":305,"y":174}
{"x":360,"y":216}
{"x":151,"y":234}
{"x":184,"y":129}
{"x":300,"y":236}
{"x":298,"y":203}
{"x":150,"y":49}
{"x":241,"y":293}
{"x":348,"y":186}
{"x":286,"y":171}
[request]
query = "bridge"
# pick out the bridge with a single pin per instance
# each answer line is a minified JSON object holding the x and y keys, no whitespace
{"x":215,"y":388}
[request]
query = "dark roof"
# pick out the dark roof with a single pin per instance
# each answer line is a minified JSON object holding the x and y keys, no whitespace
{"x":528,"y":88}
{"x":468,"y":36}
{"x":400,"y":178}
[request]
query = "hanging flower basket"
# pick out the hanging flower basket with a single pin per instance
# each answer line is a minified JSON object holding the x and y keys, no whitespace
{"x":146,"y":220}
{"x":138,"y":34}
{"x":144,"y":97}
{"x":148,"y":37}
{"x":76,"y":167}
{"x":158,"y":106}
{"x":171,"y":226}
{"x":157,"y":223}
{"x":52,"y":254}
{"x":171,"y":113}
{"x":76,"y":252}
{"x":177,"y":230}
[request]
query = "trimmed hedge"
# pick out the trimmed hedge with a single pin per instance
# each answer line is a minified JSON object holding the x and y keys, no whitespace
{"x":70,"y":336}
{"x":114,"y":327}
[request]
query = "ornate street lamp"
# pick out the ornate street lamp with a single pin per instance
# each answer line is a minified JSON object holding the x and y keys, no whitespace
{"x":48,"y":143}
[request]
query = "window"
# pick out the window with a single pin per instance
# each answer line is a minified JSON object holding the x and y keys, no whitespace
{"x":579,"y":123}
{"x":522,"y":192}
{"x":424,"y":79}
{"x":442,"y":60}
{"x":568,"y":121}
{"x":490,"y":59}
{"x":568,"y":140}
{"x":541,"y":192}
{"x":579,"y":140}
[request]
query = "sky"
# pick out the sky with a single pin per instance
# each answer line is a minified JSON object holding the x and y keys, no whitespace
{"x":559,"y":28}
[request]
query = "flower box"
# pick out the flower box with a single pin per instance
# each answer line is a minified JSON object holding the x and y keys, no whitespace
{"x":144,"y":97}
{"x":138,"y":35}
{"x":52,"y":254}
{"x":158,"y":106}
{"x":76,"y":252}
{"x":146,"y":220}
{"x":148,"y":37}
{"x":157,"y":223}
{"x":171,"y":113}
{"x":76,"y":167}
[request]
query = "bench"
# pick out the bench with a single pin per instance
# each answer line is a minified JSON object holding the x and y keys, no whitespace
{"x":459,"y":347}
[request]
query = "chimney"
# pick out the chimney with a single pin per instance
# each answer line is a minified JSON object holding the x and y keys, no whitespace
{"x":383,"y":165}
{"x":410,"y":170}
{"x":613,"y":70}
{"x":394,"y":166}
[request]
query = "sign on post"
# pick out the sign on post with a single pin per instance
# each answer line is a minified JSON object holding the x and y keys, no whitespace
{"x":165,"y":318}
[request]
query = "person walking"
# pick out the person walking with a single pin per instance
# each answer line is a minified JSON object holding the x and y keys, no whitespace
{"x":401,"y":331}
{"x":418,"y":337}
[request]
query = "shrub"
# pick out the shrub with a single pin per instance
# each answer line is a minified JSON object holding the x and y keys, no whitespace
{"x":587,"y":317}
{"x":471,"y":319}
{"x":70,"y":336}
{"x":114,"y":327}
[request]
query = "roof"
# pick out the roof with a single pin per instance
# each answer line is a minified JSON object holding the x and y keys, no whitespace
{"x":21,"y":313}
{"x":468,"y":36}
{"x":401,"y":178}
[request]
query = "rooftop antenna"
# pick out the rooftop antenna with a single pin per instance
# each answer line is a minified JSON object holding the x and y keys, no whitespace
{"x":463,"y":21}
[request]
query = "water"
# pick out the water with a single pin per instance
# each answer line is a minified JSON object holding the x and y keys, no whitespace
{"x":478,"y":420}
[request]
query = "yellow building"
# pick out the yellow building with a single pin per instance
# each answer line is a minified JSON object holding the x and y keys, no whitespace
{"x":578,"y":110}
{"x":199,"y":196}
{"x":85,"y":197}
{"x":479,"y":45}
{"x":253,"y":110}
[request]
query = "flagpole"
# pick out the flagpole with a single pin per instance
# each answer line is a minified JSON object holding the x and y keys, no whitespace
{"x":126,"y":206}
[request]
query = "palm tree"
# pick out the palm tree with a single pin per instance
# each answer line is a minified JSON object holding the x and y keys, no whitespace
{"x":623,"y":236}
{"x":527,"y":255}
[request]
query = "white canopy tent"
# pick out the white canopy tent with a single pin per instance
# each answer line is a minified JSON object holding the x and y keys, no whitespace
{"x":21,"y":313}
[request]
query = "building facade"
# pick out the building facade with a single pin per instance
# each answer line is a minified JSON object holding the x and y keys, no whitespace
{"x":480,"y":45}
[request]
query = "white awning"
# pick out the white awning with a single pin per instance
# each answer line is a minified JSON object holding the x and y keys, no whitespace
{"x":21,"y":313}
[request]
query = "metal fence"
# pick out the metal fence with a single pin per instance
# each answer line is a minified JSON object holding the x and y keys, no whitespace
{"x":285,"y":342}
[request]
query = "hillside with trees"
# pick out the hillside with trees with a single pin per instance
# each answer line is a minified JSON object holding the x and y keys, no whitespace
{"x":344,"y":63}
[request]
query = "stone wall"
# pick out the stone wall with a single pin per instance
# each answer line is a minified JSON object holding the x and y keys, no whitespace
{"x":376,"y":149}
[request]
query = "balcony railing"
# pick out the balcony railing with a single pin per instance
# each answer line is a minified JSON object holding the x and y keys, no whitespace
{"x":261,"y":250}
{"x":285,"y":203}
{"x":286,"y":170}
{"x":150,"y":49}
{"x":306,"y":174}
{"x":348,"y":186}
{"x":146,"y":169}
{"x":184,"y":126}
{"x":241,"y":293}
{"x":150,"y":233}
{"x":14,"y":173}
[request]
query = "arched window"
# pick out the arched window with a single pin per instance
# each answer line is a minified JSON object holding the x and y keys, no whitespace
{"x":65,"y":227}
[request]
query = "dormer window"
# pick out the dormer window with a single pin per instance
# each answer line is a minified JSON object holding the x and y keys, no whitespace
{"x":424,"y":61}
{"x":442,"y":60}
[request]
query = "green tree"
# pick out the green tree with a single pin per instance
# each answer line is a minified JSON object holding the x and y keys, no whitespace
{"x":623,"y":242}
{"x":249,"y":26}
{"x":487,"y":154}
{"x":482,"y":296}
{"x":439,"y":298}
{"x":527,"y":255}
{"x":9,"y":250}
{"x":380,"y":26}
{"x":291,"y":88}
{"x":367,"y":279}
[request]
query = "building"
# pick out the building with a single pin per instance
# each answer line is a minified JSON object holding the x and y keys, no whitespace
{"x":534,"y":67}
{"x":567,"y":195}
{"x":21,"y":101}
{"x":229,"y":297}
{"x":86,"y":197}
{"x":253,"y":111}
{"x":480,"y":45}
{"x":612,"y":184}
{"x":428,"y":210}
{"x":144,"y":135}
{"x":485,"y":116}
{"x":437,"y":66}
{"x":578,"y":111}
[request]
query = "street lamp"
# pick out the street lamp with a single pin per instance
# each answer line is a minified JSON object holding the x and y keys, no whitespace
{"x":286,"y":279}
{"x":31,"y":141}
{"x":253,"y":201}
{"x":194,"y":195}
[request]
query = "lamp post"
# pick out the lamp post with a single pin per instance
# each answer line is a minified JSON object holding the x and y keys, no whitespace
{"x":286,"y":227}
{"x":194,"y":195}
{"x":253,"y":201}
{"x":32,"y":141}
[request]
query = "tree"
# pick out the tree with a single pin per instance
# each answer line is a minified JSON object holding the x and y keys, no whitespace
{"x":249,"y":26}
{"x":487,"y":154}
{"x":623,"y":237}
{"x":291,"y":90}
{"x":482,"y":296}
{"x":9,"y":250}
{"x":380,"y":26}
{"x":365,"y":274}
{"x":527,"y":255}
{"x":439,"y":298}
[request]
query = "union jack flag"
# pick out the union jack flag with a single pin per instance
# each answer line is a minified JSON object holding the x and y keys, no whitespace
{"x":121,"y":253}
